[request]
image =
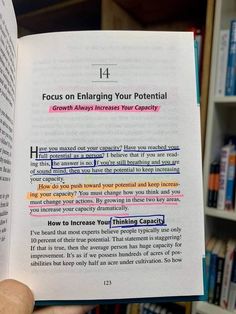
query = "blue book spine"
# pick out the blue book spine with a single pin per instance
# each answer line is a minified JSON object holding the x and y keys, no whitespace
{"x":208,"y":261}
{"x":230,"y":86}
{"x":212,"y":277}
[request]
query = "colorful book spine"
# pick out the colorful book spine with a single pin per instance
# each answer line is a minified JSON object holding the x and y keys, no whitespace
{"x":227,"y":273}
{"x":213,"y":185}
{"x":224,"y":162}
{"x":230,"y":185}
{"x":222,"y":62}
{"x":209,"y":247}
{"x":230,"y":86}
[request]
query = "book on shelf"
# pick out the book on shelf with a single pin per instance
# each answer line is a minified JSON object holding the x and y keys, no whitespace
{"x":222,"y":271}
{"x":230,"y":84}
{"x":213,"y":269}
{"x":144,"y":308}
{"x":209,"y":248}
{"x":149,"y":308}
{"x":222,"y":62}
{"x":99,"y":196}
{"x":164,"y":308}
{"x":219,"y":273}
{"x":134,"y":308}
{"x":226,"y":151}
{"x":112,"y":308}
{"x":213,"y":184}
{"x":230,"y":183}
{"x":199,"y":39}
{"x":232,"y":286}
{"x":228,"y":265}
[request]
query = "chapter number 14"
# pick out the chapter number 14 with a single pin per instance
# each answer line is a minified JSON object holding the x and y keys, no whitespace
{"x":104,"y":73}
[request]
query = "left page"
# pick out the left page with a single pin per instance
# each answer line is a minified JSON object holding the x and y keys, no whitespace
{"x":107,"y":167}
{"x":8,"y":55}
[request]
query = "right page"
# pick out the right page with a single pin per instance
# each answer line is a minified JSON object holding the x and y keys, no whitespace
{"x":107,"y":167}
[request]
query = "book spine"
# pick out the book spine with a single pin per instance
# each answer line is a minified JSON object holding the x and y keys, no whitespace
{"x":213,"y":185}
{"x":216,"y":185}
{"x":232,"y":297}
{"x":235,"y":194}
{"x":97,"y":310}
{"x":141,"y":308}
{"x":122,"y":308}
{"x":227,"y":276}
{"x":208,"y":263}
{"x":224,"y":161}
{"x":117,"y":309}
{"x":231,"y":73}
{"x":145,"y":308}
{"x":230,"y":185}
{"x":158,"y":309}
{"x":129,"y":309}
{"x":151,"y":308}
{"x":222,"y":62}
{"x":212,"y":277}
{"x":219,"y":278}
{"x":232,"y":287}
{"x":134,"y":308}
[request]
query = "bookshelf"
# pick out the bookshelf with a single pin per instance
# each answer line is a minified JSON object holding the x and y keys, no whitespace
{"x":221,"y":118}
{"x":55,"y":15}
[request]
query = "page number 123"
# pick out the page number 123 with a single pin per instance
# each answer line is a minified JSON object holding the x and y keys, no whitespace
{"x":107,"y":282}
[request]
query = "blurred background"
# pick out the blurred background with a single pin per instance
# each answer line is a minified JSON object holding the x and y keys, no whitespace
{"x":54,"y":15}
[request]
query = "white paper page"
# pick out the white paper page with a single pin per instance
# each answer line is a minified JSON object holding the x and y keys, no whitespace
{"x":107,"y":190}
{"x":8,"y":40}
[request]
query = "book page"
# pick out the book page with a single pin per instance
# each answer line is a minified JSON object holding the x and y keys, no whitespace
{"x":8,"y":40}
{"x":107,"y":169}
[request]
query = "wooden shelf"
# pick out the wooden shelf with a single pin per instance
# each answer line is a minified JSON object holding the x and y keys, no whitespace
{"x":226,"y":100}
{"x":223,"y":214}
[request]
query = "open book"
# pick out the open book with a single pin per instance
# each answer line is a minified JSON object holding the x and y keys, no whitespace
{"x":100,"y":162}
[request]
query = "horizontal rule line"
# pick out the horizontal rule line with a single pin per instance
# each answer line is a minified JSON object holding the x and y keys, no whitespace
{"x":105,"y":81}
{"x":104,"y":63}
